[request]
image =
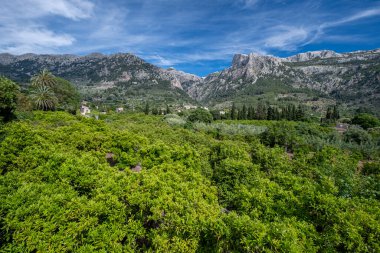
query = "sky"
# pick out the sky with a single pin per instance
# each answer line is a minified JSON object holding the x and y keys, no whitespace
{"x":196,"y":36}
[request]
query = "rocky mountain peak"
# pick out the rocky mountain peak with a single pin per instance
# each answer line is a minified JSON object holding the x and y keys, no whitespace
{"x":322,"y":54}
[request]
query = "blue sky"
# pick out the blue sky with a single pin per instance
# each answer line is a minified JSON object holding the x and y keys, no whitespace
{"x":196,"y":36}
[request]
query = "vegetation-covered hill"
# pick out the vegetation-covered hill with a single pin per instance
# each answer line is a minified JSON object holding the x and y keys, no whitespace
{"x":316,"y":79}
{"x":70,"y":184}
{"x":115,"y":79}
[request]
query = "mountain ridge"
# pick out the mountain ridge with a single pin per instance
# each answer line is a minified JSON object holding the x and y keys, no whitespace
{"x":344,"y":76}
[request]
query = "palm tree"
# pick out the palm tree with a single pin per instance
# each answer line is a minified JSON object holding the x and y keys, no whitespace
{"x":44,"y":98}
{"x":45,"y":78}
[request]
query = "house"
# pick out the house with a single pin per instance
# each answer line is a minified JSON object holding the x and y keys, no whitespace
{"x":84,"y":110}
{"x":188,"y":107}
{"x":342,"y":127}
{"x":119,"y":109}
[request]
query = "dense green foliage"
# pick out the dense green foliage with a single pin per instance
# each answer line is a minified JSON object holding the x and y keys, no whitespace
{"x":198,"y":191}
{"x":264,"y":112}
{"x":200,"y":115}
{"x":50,"y":93}
{"x":43,"y":98}
{"x":44,"y":79}
{"x":366,"y":121}
{"x":67,"y":95}
{"x":8,"y":98}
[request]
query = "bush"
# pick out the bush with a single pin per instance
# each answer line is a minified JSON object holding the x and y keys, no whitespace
{"x":365,"y":120}
{"x":357,"y":135}
{"x":8,"y":98}
{"x":200,"y":115}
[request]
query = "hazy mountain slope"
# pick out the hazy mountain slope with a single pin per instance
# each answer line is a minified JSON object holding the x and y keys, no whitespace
{"x":111,"y":77}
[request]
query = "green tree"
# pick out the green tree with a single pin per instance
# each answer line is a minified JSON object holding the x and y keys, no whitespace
{"x":233,"y":111}
{"x":146,"y":110}
{"x":251,"y":112}
{"x":335,"y":113}
{"x":155,"y":111}
{"x":168,"y":111}
{"x":8,"y":98}
{"x":44,"y":78}
{"x":68,"y":97}
{"x":244,"y":112}
{"x":44,"y":98}
{"x":366,"y":120}
{"x":200,"y":115}
{"x":300,"y":113}
{"x":357,"y":134}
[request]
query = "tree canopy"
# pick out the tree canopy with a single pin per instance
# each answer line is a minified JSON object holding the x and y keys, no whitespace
{"x":196,"y":191}
{"x":9,"y":91}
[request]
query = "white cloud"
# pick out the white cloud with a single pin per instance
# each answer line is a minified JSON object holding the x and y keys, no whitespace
{"x":32,"y":39}
{"x":287,"y":38}
{"x":354,"y":17}
{"x":23,"y":28}
{"x":161,"y":61}
{"x":26,"y":9}
{"x":73,"y":9}
{"x":319,"y":31}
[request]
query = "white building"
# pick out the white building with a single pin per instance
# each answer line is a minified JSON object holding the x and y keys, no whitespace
{"x":119,"y":109}
{"x":188,"y":107}
{"x":84,"y":110}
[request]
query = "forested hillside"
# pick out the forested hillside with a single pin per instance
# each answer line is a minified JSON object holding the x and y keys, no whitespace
{"x":142,"y":183}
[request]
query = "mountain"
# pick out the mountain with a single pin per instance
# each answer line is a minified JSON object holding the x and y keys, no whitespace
{"x":350,"y":78}
{"x":317,"y":79}
{"x":119,"y":77}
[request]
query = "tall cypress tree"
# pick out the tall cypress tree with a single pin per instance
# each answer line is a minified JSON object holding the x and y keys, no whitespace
{"x":244,"y":112}
{"x":276,"y":114}
{"x":146,"y":110}
{"x":328,"y":113}
{"x":270,"y":113}
{"x":168,"y":111}
{"x":233,"y":112}
{"x":261,"y":112}
{"x":335,"y":113}
{"x":300,"y":113}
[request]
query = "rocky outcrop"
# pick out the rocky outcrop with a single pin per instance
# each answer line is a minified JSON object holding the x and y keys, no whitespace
{"x":347,"y":76}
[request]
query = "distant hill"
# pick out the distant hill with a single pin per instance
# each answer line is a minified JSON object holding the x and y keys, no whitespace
{"x":106,"y":78}
{"x":314,"y":78}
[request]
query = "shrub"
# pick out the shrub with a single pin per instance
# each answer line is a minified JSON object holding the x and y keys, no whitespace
{"x":366,"y":120}
{"x":200,"y":115}
{"x":8,"y":98}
